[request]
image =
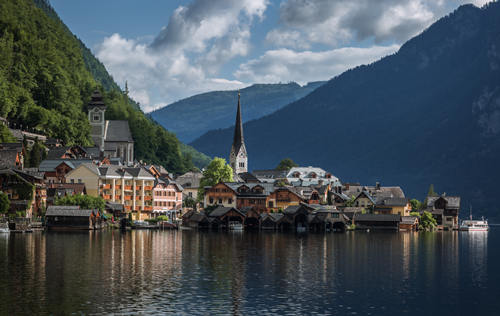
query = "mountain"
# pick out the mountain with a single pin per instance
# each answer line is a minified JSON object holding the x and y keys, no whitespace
{"x":428,"y":114}
{"x":47,"y":76}
{"x":192,"y":117}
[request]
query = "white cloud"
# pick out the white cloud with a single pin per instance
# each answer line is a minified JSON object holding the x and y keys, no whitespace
{"x":285,"y":65}
{"x":187,"y":54}
{"x":336,"y":22}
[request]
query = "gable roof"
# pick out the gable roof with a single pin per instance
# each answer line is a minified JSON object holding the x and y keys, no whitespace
{"x":366,"y":194}
{"x":453,"y":201}
{"x":392,"y":201}
{"x":191,"y":178}
{"x":221,"y":211}
{"x":49,"y":165}
{"x":117,"y":131}
{"x":73,"y":211}
{"x":8,"y":158}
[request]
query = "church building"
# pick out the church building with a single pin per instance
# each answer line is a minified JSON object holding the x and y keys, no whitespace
{"x":238,"y":157}
{"x":112,"y":137}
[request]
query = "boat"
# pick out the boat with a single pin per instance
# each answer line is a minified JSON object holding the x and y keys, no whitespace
{"x":4,"y":228}
{"x":474,"y":225}
{"x":235,"y":226}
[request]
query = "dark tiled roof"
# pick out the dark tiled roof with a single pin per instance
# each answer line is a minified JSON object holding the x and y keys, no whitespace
{"x":114,"y":206}
{"x":408,"y":219}
{"x":190,"y":179}
{"x":96,"y":99}
{"x":220,"y":211}
{"x":248,"y":177}
{"x":118,"y":131}
{"x":238,"y":140}
{"x":392,"y":201}
{"x":57,"y":153}
{"x":270,"y":174}
{"x":453,"y":201}
{"x":377,"y":217}
{"x":67,"y":211}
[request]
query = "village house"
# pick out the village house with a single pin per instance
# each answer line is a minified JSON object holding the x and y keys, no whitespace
{"x":21,"y":193}
{"x":167,"y":198}
{"x":270,"y":176}
{"x":11,"y":155}
{"x":399,"y":206}
{"x":409,"y":223}
{"x":190,"y":181}
{"x":364,"y":200}
{"x":445,"y":210}
{"x":55,"y":170}
{"x":376,"y":192}
{"x":132,"y":187}
{"x":220,"y":194}
{"x":59,"y":190}
{"x":252,"y":195}
{"x":283,"y":197}
{"x":307,"y":176}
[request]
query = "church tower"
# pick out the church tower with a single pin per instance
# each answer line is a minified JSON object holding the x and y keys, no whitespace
{"x":97,"y":108}
{"x":238,"y":157}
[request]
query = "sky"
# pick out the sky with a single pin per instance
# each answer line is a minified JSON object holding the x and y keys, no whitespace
{"x":167,"y":50}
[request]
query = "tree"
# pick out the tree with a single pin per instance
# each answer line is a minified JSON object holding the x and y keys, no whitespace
{"x":37,"y":154}
{"x":427,"y":221}
{"x":350,"y":202}
{"x":5,"y":135}
{"x":217,"y":171}
{"x":4,"y":203}
{"x":416,"y":205}
{"x":189,"y":202}
{"x":286,"y":164}
{"x":84,"y":201}
{"x":431,"y":191}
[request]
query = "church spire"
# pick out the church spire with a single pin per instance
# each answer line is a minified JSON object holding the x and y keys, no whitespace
{"x":238,"y":157}
{"x":238,"y":127}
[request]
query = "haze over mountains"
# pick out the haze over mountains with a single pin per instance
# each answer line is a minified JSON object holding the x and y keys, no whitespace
{"x":428,"y":114}
{"x":192,"y":117}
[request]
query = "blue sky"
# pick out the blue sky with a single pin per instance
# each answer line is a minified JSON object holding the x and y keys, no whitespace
{"x":169,"y":50}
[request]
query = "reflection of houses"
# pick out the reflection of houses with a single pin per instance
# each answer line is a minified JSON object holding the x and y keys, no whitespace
{"x":377,"y":221}
{"x":72,"y":217}
{"x":445,"y":210}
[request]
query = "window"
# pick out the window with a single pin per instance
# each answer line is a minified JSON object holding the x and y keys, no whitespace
{"x":97,"y":118}
{"x":271,"y":204}
{"x":220,"y":201}
{"x":211,"y":200}
{"x":79,"y":180}
{"x":72,"y":180}
{"x":242,"y":165}
{"x":229,"y":201}
{"x":190,"y":194}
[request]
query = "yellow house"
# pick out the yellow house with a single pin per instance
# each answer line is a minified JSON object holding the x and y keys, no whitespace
{"x":132,"y":187}
{"x":397,"y":206}
{"x":365,"y":200}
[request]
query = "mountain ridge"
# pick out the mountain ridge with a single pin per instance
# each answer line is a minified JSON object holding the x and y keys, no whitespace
{"x":191,"y":117}
{"x":412,"y":118}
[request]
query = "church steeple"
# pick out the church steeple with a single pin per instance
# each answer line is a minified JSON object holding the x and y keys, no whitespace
{"x":238,"y":156}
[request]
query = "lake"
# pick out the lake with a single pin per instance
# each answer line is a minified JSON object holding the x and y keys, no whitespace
{"x":190,"y":272}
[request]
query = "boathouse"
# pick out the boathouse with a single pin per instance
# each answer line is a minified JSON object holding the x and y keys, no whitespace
{"x":377,"y":221}
{"x":72,"y":217}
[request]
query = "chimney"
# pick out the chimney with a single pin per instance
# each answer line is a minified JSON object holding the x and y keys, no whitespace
{"x":377,"y":185}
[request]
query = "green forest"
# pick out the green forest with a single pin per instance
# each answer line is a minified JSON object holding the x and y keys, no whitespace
{"x":47,"y":76}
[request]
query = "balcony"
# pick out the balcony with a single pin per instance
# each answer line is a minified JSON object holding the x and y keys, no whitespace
{"x":118,"y":187}
{"x":106,"y":196}
{"x":138,"y":187}
{"x":118,"y":197}
{"x":128,"y":188}
{"x":138,"y":197}
{"x":148,"y":208}
{"x":106,"y":186}
{"x":148,"y":188}
{"x":128,"y":207}
{"x":148,"y":198}
{"x":128,"y":197}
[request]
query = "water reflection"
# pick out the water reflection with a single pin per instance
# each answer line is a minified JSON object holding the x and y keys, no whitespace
{"x":190,"y":272}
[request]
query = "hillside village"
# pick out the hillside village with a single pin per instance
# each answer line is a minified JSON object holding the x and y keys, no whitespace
{"x":292,"y":198}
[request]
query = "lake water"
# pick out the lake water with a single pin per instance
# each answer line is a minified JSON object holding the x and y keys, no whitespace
{"x":190,"y":272}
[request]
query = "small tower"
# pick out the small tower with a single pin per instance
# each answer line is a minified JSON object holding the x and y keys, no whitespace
{"x":97,"y":108}
{"x":238,"y":157}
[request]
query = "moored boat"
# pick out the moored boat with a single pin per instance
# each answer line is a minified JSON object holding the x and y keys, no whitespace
{"x":235,"y":226}
{"x":4,"y":228}
{"x":474,"y":225}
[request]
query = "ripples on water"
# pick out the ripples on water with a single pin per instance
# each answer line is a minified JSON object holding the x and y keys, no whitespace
{"x":189,"y":272}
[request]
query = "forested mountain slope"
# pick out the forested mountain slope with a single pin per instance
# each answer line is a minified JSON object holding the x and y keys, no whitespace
{"x":192,"y":117}
{"x":47,"y":76}
{"x":428,"y":114}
